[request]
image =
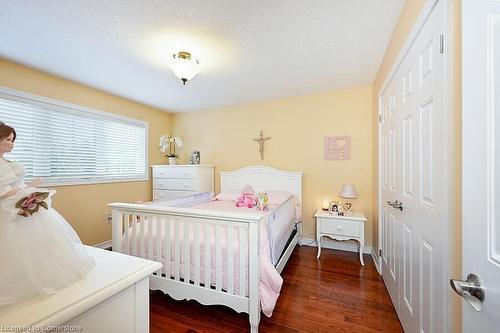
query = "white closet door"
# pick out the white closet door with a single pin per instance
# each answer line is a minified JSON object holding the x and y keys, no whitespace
{"x":481,"y":160}
{"x":391,"y":165}
{"x":413,"y":238}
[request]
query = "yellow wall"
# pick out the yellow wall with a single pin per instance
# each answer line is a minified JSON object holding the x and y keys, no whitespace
{"x":406,"y":21}
{"x":297,"y":126}
{"x":84,"y":206}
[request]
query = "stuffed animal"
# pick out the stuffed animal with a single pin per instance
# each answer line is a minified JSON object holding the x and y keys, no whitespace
{"x":246,"y":199}
{"x":263,"y":201}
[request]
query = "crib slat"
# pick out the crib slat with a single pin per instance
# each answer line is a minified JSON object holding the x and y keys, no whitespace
{"x":126,"y":245}
{"x":166,"y":244}
{"x":134,"y":235}
{"x":186,"y":252}
{"x":117,"y":230}
{"x":150,"y":227}
{"x":159,"y":252}
{"x":229,"y":263}
{"x":218,"y":258}
{"x":142,"y":222}
{"x":177,"y":250}
{"x":207,"y":264}
{"x":243,"y":259}
{"x":196,"y":246}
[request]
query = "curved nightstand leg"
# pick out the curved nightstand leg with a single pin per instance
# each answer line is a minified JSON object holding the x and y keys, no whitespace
{"x":361,"y":245}
{"x":318,"y":240}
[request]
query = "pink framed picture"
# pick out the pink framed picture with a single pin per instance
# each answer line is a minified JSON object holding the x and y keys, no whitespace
{"x":337,"y":148}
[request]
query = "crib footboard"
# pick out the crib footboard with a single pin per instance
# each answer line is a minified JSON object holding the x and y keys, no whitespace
{"x":211,"y":257}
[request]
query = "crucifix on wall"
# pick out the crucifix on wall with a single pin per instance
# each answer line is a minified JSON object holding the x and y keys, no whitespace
{"x":261,"y":139}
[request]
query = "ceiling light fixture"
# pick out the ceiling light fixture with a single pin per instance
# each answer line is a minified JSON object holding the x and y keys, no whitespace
{"x":185,"y":66}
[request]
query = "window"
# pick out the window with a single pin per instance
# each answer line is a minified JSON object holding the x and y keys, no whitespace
{"x":69,"y":144}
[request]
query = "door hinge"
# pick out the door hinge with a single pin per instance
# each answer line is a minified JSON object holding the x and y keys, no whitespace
{"x":380,"y":119}
{"x":441,"y":44}
{"x":380,"y":252}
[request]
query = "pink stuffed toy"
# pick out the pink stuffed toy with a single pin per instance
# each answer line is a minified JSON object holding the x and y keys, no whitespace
{"x":246,"y":199}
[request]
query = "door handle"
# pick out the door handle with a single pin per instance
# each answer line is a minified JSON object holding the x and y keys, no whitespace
{"x":396,"y":204}
{"x":472,"y":290}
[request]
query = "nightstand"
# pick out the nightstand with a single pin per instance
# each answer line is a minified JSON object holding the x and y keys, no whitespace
{"x":341,"y":228}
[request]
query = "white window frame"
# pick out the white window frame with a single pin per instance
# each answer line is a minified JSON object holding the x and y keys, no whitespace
{"x":24,"y":97}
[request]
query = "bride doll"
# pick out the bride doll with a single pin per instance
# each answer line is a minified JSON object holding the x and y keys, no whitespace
{"x":39,"y":251}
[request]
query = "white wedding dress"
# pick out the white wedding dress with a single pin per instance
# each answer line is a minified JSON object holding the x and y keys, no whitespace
{"x":39,"y":254}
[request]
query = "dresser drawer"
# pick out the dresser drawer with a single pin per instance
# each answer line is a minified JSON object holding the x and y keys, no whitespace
{"x":162,"y":195}
{"x":175,"y":172}
{"x":175,"y":184}
{"x":339,"y":227}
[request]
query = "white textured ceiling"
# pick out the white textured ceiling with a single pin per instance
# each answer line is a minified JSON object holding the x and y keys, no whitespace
{"x":249,"y":50}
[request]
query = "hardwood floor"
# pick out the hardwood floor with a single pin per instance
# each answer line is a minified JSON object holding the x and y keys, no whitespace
{"x":332,"y":294}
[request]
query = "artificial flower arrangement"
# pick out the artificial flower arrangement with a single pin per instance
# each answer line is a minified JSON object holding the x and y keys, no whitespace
{"x":30,"y":204}
{"x":168,"y":145}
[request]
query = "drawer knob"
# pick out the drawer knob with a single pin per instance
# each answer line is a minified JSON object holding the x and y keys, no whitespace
{"x":339,"y":228}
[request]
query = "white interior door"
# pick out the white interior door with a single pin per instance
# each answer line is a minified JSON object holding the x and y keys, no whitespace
{"x":415,"y":173}
{"x":391,"y":161}
{"x":481,"y":159}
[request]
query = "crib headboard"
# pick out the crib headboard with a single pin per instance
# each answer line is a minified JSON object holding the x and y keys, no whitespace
{"x":263,"y":178}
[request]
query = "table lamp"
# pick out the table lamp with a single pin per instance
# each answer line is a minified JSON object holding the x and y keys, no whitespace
{"x":348,"y":192}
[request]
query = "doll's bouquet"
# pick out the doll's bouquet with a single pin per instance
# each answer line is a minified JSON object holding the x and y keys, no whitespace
{"x":30,"y":204}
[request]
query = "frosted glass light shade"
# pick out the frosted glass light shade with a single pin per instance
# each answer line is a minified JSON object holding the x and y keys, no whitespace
{"x":348,"y":191}
{"x":325,"y":204}
{"x":184,"y":66}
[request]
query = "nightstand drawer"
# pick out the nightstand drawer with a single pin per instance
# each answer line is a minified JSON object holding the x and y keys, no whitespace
{"x":339,"y":227}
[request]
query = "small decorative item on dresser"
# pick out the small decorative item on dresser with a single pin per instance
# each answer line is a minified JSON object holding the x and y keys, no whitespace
{"x":348,"y":191}
{"x":195,"y":157}
{"x":334,"y":208}
{"x":168,"y":144}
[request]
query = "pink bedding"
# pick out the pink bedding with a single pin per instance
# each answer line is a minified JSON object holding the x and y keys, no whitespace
{"x":270,"y":280}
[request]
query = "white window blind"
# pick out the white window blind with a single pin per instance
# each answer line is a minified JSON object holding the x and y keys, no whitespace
{"x":68,"y":144}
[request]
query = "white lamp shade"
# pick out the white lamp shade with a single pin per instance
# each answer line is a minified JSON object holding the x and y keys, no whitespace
{"x":185,"y":68}
{"x":348,"y":191}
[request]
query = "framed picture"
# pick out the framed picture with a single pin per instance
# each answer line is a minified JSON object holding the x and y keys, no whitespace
{"x":337,"y":148}
{"x":334,"y":208}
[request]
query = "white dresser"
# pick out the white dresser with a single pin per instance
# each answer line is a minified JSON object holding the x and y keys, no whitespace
{"x":113,"y":297}
{"x":172,"y":181}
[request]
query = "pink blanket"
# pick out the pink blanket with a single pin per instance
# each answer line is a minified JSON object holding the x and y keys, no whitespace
{"x":270,"y":280}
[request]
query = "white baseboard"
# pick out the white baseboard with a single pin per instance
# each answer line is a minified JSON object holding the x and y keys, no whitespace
{"x":337,"y":245}
{"x":376,"y":261}
{"x":104,"y":245}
